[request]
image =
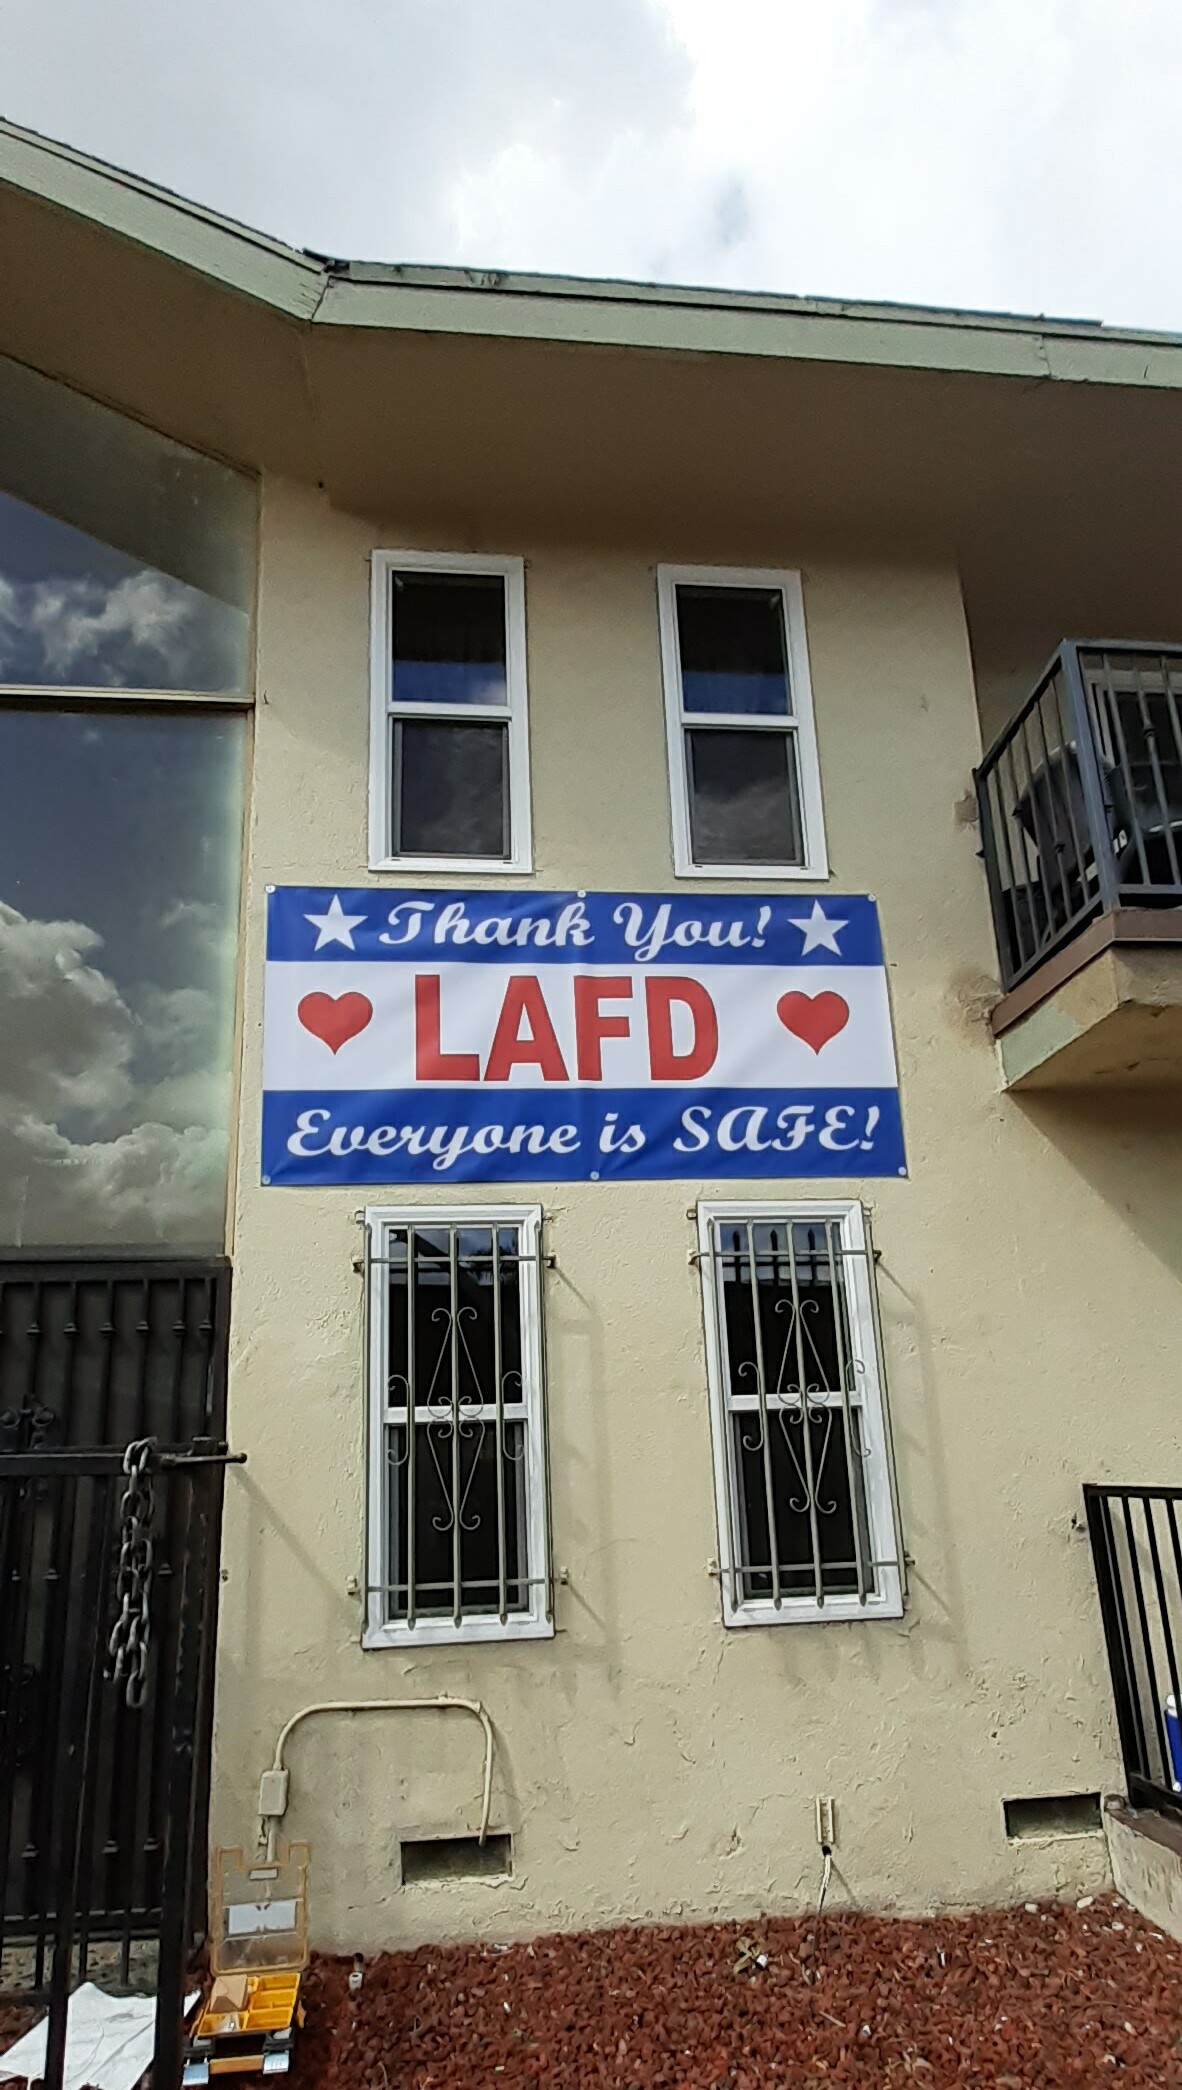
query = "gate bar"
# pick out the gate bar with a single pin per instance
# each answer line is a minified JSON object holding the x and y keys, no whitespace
{"x":75,"y":1771}
{"x":170,"y":1973}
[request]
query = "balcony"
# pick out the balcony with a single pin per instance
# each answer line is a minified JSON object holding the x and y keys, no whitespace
{"x":1080,"y":803}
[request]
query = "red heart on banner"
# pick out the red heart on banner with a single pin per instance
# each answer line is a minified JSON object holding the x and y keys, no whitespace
{"x":813,"y":1017}
{"x":334,"y":1019}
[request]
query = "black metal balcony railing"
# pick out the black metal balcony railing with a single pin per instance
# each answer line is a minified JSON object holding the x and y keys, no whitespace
{"x":1081,"y":799}
{"x":1137,"y":1553}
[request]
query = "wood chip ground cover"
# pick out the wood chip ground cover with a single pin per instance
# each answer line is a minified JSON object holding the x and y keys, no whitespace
{"x":1037,"y":1998}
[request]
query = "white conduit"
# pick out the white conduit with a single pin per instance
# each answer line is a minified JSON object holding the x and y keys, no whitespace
{"x":268,"y":1825}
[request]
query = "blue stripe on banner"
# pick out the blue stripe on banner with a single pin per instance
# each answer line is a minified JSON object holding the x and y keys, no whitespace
{"x":342,"y":924}
{"x":579,"y":1135}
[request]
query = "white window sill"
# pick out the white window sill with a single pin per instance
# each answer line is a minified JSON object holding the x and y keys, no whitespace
{"x":476,"y":866}
{"x":796,"y":874}
{"x":794,"y":1611}
{"x":440,"y":1632}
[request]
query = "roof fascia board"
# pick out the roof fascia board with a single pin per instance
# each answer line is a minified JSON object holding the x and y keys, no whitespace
{"x":214,"y":247}
{"x":568,"y":310}
{"x":805,"y":332}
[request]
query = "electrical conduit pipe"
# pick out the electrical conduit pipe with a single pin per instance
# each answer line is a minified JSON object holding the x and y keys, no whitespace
{"x":273,"y":1786}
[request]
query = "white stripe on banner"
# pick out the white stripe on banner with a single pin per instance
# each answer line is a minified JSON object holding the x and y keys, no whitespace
{"x":373,"y":1026}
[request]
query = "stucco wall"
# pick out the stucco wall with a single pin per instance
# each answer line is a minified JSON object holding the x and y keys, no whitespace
{"x":649,"y":1763}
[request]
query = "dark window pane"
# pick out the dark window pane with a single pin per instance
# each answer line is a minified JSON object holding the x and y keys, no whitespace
{"x":450,"y":789}
{"x":791,"y":1275}
{"x":448,"y":639}
{"x":126,"y":562}
{"x":744,"y":799}
{"x":466,"y":1291}
{"x":816,"y":1474}
{"x":120,"y":845}
{"x":456,"y":1472}
{"x":473,"y":1346}
{"x":733,"y":656}
{"x":810,"y":1328}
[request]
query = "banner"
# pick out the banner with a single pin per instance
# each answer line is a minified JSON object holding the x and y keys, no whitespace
{"x":484,"y":1037}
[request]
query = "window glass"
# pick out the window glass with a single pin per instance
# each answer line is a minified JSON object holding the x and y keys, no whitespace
{"x":457,"y":1433}
{"x":798,"y":1458}
{"x":823,"y":1476}
{"x":733,"y":658}
{"x":808,"y":1258}
{"x":807,"y":1523}
{"x":449,"y":741}
{"x":744,"y":799}
{"x":126,"y":561}
{"x":475,"y":1484}
{"x":450,"y":789}
{"x":448,"y":638}
{"x":120,"y":847}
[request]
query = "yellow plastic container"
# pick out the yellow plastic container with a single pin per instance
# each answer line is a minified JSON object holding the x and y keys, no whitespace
{"x":258,"y":1949}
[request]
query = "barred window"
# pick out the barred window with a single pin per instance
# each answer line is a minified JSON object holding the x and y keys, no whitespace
{"x":807,"y":1520}
{"x":458,"y":1529}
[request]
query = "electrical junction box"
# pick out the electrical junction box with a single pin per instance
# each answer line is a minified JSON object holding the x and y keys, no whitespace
{"x":258,"y":1949}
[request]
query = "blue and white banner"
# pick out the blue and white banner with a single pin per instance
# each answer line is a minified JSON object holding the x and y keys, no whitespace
{"x":511,"y":1038}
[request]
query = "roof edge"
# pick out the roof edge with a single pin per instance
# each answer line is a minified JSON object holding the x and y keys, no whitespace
{"x":225,"y":252}
{"x":573,"y":310}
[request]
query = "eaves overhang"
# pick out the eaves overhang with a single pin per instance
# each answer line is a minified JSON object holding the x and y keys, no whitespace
{"x":323,"y":292}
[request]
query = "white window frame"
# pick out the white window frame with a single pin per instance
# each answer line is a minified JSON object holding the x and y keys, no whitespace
{"x":513,"y":713}
{"x":887,"y":1600}
{"x":798,"y":724}
{"x":536,"y":1623}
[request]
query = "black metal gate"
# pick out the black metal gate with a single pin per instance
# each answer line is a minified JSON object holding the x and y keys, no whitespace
{"x":103,"y":1801}
{"x":1137,"y":1551}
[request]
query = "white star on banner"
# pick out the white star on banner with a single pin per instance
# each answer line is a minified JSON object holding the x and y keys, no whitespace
{"x":335,"y":926}
{"x":818,"y":930}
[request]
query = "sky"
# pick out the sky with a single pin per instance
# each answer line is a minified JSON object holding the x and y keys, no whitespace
{"x":1018,"y":155}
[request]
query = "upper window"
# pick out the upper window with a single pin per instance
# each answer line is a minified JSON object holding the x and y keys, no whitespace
{"x":126,"y":561}
{"x":805,"y":1486}
{"x":449,"y":765}
{"x":742,"y":753}
{"x":457,"y":1499}
{"x":126,"y":593}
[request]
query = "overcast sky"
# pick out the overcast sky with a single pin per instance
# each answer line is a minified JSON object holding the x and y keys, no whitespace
{"x":1013,"y":154}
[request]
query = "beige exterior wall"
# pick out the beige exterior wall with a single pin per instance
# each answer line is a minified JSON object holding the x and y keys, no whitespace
{"x":650,"y":1764}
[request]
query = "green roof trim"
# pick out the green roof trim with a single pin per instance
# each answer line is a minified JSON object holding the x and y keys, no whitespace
{"x":572,"y":310}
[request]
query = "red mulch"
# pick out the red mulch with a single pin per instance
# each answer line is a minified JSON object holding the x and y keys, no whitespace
{"x":1015,"y":1999}
{"x":15,"y":2018}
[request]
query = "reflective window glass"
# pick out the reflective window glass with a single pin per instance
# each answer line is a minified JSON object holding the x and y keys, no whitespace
{"x":126,"y":560}
{"x":120,"y":857}
{"x":733,"y":657}
{"x":448,"y":638}
{"x":744,"y":798}
{"x":450,"y":789}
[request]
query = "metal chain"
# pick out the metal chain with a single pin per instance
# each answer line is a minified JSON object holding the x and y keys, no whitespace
{"x":131,"y":1632}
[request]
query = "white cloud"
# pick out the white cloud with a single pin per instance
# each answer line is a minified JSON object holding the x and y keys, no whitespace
{"x":150,"y":1185}
{"x":181,"y":1023}
{"x":90,"y":1151}
{"x":141,"y":629}
{"x":1009,"y":153}
{"x":68,"y":1034}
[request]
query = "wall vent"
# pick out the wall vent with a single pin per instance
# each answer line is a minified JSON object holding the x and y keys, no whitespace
{"x":1054,"y":1814}
{"x":456,"y":1858}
